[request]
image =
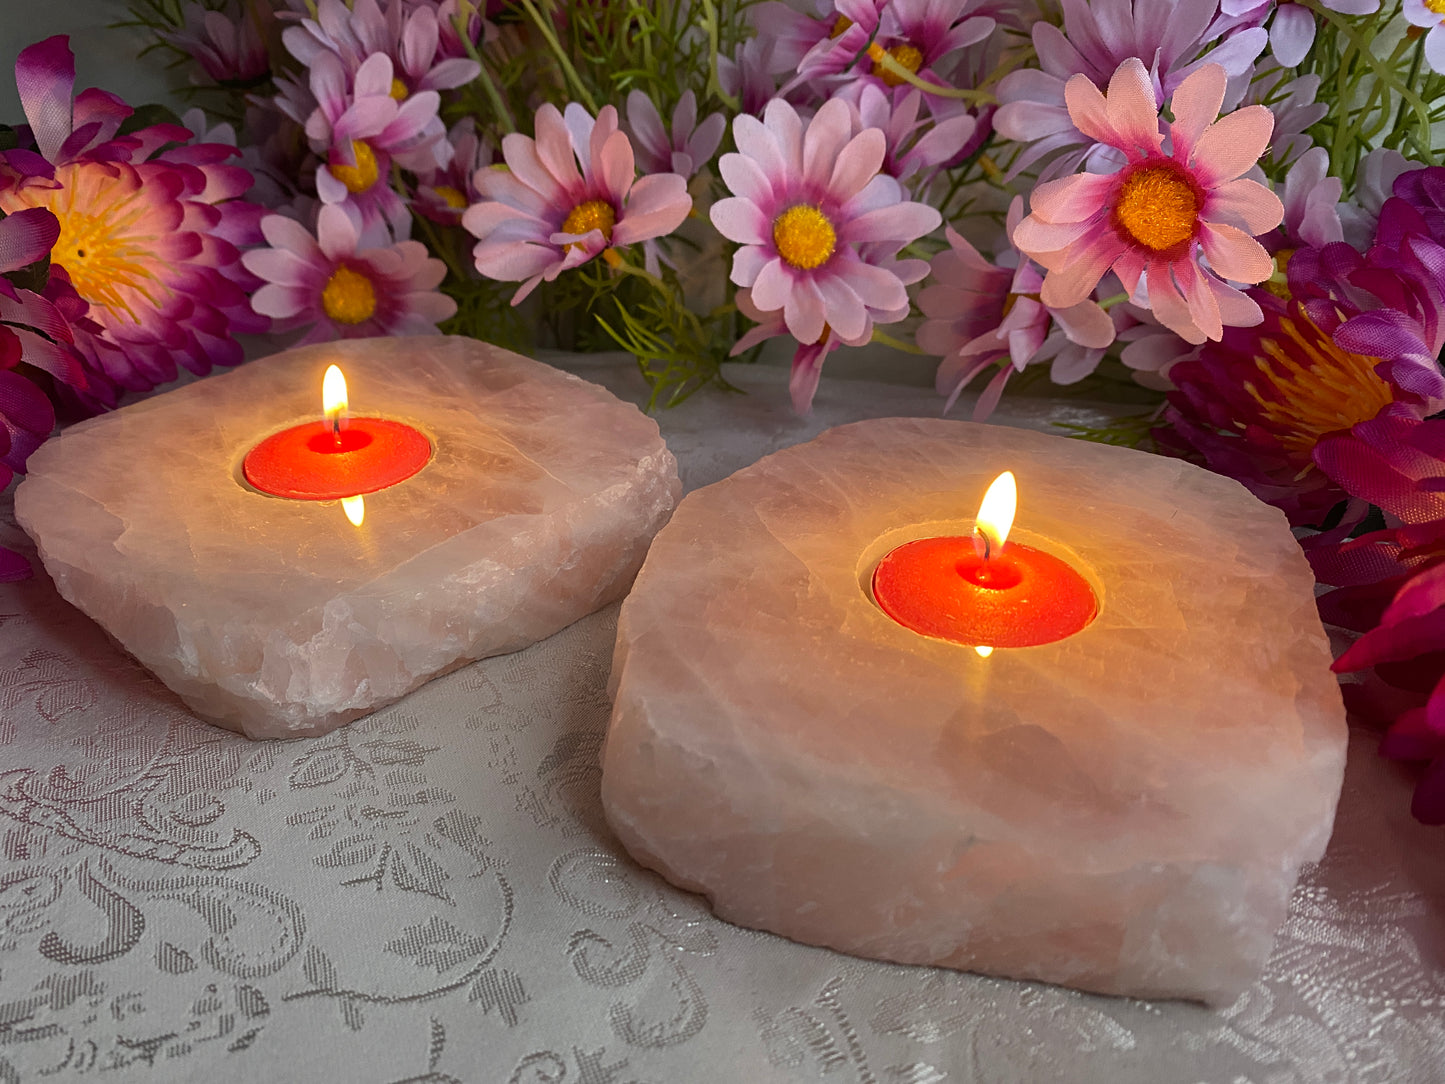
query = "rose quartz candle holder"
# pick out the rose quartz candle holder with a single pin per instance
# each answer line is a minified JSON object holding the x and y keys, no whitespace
{"x":1124,"y":810}
{"x":277,"y":617}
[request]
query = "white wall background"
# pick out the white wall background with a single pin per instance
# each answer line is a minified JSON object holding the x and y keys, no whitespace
{"x":104,"y":56}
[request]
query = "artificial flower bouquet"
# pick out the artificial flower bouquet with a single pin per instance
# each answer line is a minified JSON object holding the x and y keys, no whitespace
{"x":1231,"y":207}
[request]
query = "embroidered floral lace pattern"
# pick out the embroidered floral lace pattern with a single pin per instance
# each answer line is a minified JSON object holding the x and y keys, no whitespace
{"x":431,"y":894}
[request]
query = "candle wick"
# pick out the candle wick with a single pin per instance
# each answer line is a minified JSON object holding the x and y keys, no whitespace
{"x":982,"y":544}
{"x":336,"y":428}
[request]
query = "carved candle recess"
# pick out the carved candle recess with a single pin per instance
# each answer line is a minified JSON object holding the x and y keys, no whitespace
{"x":1123,"y":808}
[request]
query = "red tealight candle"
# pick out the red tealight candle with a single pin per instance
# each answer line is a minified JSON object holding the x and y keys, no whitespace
{"x":337,"y":458}
{"x":982,"y":590}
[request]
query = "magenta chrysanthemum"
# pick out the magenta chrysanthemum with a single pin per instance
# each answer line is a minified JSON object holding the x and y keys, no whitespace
{"x":1150,"y":221}
{"x":147,"y":235}
{"x":819,"y":225}
{"x":541,"y":216}
{"x":341,"y":289}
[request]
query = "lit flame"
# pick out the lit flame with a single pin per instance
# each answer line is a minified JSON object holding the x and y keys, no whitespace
{"x":984,"y":651}
{"x":996,"y":515}
{"x":355,"y":509}
{"x":333,"y":401}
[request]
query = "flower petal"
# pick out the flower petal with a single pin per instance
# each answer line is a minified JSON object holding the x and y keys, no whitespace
{"x":1231,"y":145}
{"x":1234,"y":254}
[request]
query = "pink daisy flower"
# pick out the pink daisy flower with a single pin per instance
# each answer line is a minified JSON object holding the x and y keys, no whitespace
{"x":686,"y":149}
{"x":340,"y":289}
{"x":442,"y":195}
{"x":983,"y":316}
{"x":409,"y":34}
{"x":819,"y":45}
{"x":1174,"y":38}
{"x":541,"y":216}
{"x":1149,"y":221}
{"x":819,"y":224}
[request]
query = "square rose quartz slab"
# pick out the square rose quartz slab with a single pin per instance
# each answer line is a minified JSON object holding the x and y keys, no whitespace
{"x":277,"y":617}
{"x":1125,"y":810}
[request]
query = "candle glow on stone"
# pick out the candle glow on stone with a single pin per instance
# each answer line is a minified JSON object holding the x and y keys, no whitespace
{"x":982,"y":590}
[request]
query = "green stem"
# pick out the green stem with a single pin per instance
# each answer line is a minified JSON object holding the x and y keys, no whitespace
{"x":714,"y":86}
{"x":544,"y":27}
{"x":938,"y":90}
{"x":885,"y":339}
{"x":1381,"y":72}
{"x":1414,"y":74}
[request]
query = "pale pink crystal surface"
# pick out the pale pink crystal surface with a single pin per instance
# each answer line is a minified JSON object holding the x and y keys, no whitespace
{"x":278,"y":618}
{"x":1122,"y":811}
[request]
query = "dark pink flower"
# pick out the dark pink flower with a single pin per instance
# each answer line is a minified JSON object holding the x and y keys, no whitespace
{"x":149,"y":227}
{"x":1392,"y":589}
{"x":1256,"y":405}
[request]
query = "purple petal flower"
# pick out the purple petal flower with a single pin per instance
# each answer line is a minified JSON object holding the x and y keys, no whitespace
{"x":689,"y":147}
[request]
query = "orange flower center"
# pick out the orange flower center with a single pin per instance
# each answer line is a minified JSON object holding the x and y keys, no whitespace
{"x":1158,"y":207}
{"x":907,"y":56}
{"x":804,"y":236}
{"x":349,"y":296}
{"x":363,"y":175}
{"x":595,"y":214}
{"x":840,"y":26}
{"x":1313,"y":388}
{"x":451,"y":197}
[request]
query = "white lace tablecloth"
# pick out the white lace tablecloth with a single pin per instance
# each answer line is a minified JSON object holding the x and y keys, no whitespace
{"x":431,"y":894}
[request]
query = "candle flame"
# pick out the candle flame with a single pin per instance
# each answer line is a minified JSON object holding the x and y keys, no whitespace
{"x":984,"y":651}
{"x":996,"y":515}
{"x":333,"y":399}
{"x":355,"y":509}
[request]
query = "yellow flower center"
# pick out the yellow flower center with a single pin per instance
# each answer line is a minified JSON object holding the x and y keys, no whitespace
{"x":840,"y":26}
{"x":595,"y":214}
{"x":1278,"y":282}
{"x":908,"y":56}
{"x":1437,"y":6}
{"x":398,"y":90}
{"x":104,"y":241}
{"x":451,"y":197}
{"x":1157,"y":207}
{"x":804,"y":236}
{"x":363,"y":175}
{"x":349,"y":296}
{"x":1313,"y":388}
